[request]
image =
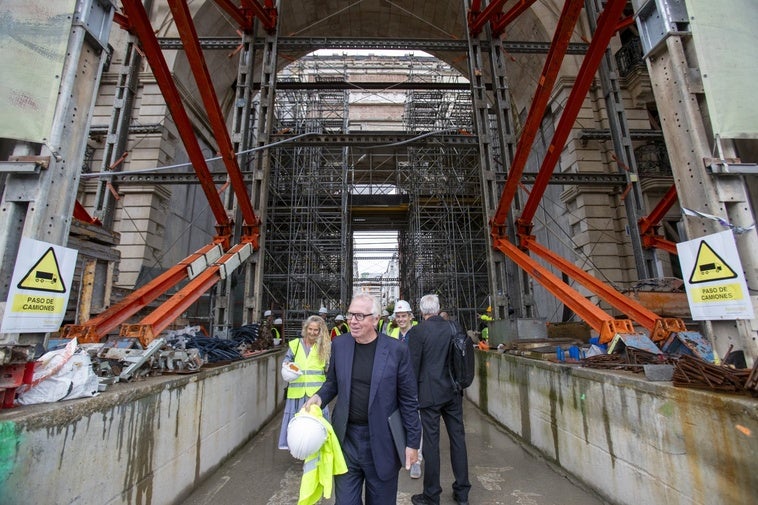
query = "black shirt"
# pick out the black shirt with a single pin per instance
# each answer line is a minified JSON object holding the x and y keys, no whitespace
{"x":363,"y":366}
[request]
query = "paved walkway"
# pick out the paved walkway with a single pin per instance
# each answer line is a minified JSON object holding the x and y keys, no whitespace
{"x":501,"y":473}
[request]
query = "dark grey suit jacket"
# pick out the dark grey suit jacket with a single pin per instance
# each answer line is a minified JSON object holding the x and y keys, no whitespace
{"x":429,"y":343}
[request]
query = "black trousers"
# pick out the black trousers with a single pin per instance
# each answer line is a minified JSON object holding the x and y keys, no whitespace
{"x":452,"y":413}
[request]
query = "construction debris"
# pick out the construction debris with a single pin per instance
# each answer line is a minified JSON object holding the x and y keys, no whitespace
{"x":694,"y":372}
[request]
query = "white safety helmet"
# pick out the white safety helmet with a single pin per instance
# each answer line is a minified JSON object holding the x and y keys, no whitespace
{"x":339,"y":318}
{"x":290,"y":371}
{"x":385,"y":313}
{"x":402,"y":306}
{"x":267,"y":313}
{"x":278,"y":320}
{"x":323,"y":310}
{"x":305,"y":435}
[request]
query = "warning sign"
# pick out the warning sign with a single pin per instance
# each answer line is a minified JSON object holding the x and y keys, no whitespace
{"x":45,"y":275}
{"x":716,"y":287}
{"x":38,"y":294}
{"x":709,"y":266}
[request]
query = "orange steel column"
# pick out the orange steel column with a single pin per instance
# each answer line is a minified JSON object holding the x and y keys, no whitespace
{"x":152,"y":325}
{"x":603,"y":323}
{"x":606,"y":28}
{"x":558,"y":47}
{"x":659,"y":327}
{"x":96,"y":328}
{"x":191,"y":43}
{"x":139,"y":23}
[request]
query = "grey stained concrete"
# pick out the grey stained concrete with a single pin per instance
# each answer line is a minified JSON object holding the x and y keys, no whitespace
{"x":501,"y":472}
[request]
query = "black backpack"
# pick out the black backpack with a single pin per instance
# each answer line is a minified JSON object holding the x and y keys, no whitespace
{"x":461,"y":359}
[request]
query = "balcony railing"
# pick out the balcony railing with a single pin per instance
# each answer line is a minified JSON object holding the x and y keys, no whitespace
{"x":653,"y":160}
{"x":629,"y":57}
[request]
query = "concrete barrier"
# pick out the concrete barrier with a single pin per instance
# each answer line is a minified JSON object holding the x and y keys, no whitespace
{"x":141,"y":443}
{"x":632,"y":441}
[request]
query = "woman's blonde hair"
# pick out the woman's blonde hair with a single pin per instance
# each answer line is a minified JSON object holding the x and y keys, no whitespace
{"x":323,"y":342}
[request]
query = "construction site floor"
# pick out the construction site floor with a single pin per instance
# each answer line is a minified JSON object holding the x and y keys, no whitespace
{"x":502,"y":472}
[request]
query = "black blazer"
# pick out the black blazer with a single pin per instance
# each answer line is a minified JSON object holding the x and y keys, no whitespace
{"x":429,"y":343}
{"x":392,"y":387}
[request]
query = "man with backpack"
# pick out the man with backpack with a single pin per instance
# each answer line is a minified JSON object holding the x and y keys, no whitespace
{"x":438,"y":396}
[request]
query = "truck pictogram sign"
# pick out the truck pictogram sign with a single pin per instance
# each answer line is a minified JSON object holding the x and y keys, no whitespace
{"x":45,"y":275}
{"x":709,"y":266}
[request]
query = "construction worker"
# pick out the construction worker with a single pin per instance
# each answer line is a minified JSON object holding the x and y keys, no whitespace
{"x":340,"y":326}
{"x":383,"y":325}
{"x":403,"y":320}
{"x":276,"y":329}
{"x":484,"y":321}
{"x":310,"y":353}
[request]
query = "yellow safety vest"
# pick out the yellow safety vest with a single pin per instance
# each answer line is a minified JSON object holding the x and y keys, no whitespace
{"x":395,"y":332}
{"x":312,"y":367}
{"x":485,"y":333}
{"x":320,"y":468}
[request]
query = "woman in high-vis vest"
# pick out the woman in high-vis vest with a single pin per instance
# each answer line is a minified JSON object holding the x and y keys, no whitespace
{"x":311,"y":355}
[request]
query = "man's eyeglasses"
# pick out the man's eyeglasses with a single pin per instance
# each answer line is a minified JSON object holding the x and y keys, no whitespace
{"x":357,"y":315}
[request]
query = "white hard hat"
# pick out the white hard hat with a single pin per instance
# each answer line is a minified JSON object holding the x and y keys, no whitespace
{"x":290,"y":371}
{"x":267,"y":313}
{"x":278,"y":320}
{"x":339,"y":318}
{"x":322,"y":310}
{"x":402,"y":306}
{"x":385,"y":313}
{"x":305,"y":435}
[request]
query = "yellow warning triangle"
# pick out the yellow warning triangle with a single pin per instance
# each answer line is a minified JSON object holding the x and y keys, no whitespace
{"x":44,"y":275}
{"x":709,"y":266}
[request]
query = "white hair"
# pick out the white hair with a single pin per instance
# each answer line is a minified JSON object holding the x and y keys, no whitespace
{"x":376,"y":309}
{"x":429,"y":305}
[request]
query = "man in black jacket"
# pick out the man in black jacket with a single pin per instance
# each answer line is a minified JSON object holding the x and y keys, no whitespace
{"x":429,"y":343}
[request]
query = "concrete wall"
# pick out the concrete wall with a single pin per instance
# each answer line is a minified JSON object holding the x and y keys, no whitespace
{"x":633,"y":441}
{"x":142,"y":443}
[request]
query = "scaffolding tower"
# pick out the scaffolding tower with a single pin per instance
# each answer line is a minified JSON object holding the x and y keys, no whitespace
{"x":429,"y":194}
{"x":306,"y":246}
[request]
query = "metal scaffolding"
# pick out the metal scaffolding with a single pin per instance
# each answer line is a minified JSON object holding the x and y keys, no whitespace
{"x":321,"y":193}
{"x":444,"y":250}
{"x":306,"y":246}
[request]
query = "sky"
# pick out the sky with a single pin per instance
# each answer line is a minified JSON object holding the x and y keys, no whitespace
{"x":375,"y":239}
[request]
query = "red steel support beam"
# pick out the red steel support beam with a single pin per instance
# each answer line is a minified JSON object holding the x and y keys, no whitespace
{"x":499,"y":25}
{"x":152,"y":325}
{"x":477,"y":20}
{"x":659,"y":327}
{"x":629,"y":307}
{"x":97,"y":327}
{"x":81,"y":214}
{"x":140,"y":25}
{"x":558,"y":47}
{"x":191,"y":43}
{"x":606,"y":28}
{"x":605,"y":325}
{"x":669,"y":199}
{"x":658,"y":242}
{"x":245,"y":21}
{"x":648,"y":224}
{"x":266,"y":13}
